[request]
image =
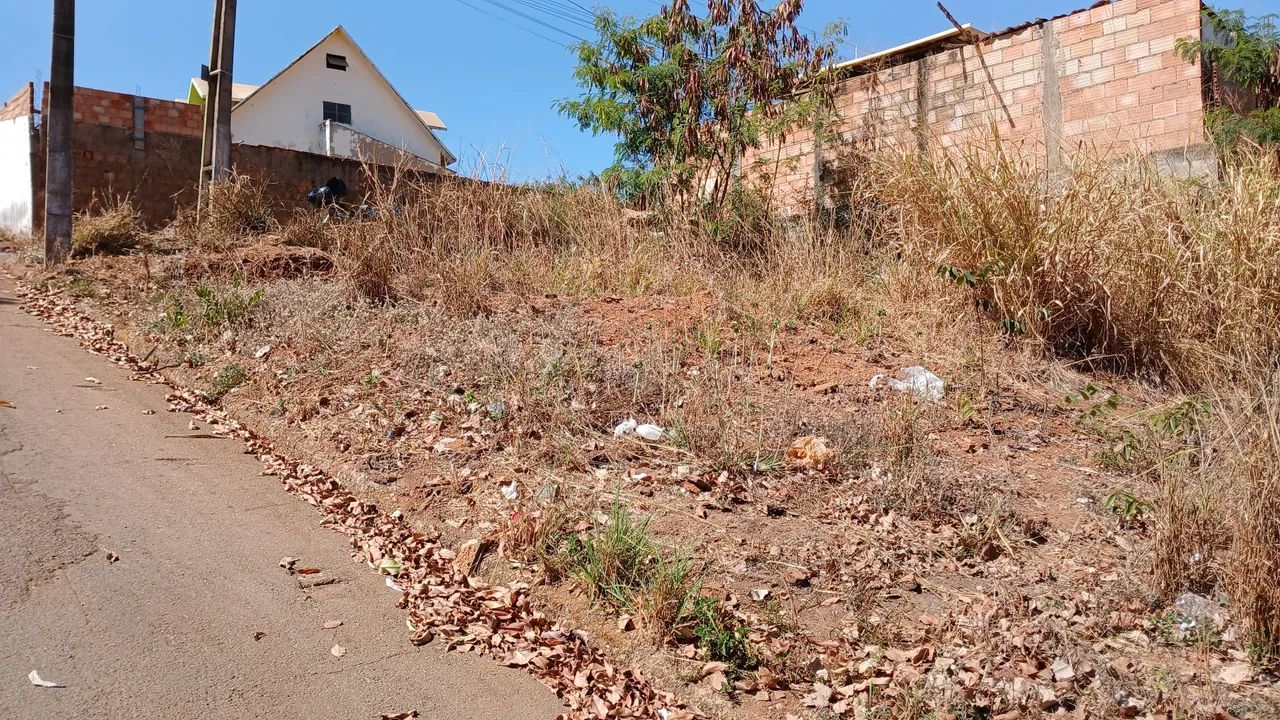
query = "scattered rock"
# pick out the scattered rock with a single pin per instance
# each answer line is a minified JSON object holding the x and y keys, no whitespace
{"x":470,"y":555}
{"x":798,"y":576}
{"x":1236,"y":673}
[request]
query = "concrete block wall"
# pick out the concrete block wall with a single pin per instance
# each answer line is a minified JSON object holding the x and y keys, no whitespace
{"x":1103,"y":79}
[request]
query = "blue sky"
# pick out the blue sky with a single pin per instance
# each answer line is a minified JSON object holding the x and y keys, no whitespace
{"x":488,"y":75}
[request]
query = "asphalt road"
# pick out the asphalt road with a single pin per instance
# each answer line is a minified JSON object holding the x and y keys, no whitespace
{"x":195,"y":619}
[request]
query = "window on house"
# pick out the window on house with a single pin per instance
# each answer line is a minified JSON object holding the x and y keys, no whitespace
{"x":335,"y":62}
{"x":337,"y":112}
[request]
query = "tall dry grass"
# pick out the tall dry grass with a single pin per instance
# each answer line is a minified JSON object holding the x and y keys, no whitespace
{"x":1117,"y":262}
{"x":1217,"y":519}
{"x":462,"y":243}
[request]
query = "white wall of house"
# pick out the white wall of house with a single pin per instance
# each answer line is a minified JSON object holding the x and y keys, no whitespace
{"x":15,"y":174}
{"x":288,"y":111}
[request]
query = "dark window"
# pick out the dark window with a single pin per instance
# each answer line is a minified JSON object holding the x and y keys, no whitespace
{"x":337,"y":112}
{"x":335,"y":62}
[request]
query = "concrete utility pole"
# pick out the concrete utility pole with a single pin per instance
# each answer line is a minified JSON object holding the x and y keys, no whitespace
{"x":215,"y":161}
{"x":206,"y":138}
{"x":58,"y":164}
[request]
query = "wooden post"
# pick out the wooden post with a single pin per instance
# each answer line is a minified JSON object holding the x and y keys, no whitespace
{"x":58,"y":161}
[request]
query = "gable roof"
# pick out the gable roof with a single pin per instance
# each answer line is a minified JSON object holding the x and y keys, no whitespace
{"x":342,"y":32}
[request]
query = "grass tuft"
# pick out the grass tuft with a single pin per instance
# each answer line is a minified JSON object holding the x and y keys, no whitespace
{"x":111,"y":230}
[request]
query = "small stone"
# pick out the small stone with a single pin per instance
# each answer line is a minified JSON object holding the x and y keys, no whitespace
{"x":798,"y":576}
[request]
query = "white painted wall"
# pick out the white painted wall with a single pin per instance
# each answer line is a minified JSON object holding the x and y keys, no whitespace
{"x":15,"y":174}
{"x":289,"y":110}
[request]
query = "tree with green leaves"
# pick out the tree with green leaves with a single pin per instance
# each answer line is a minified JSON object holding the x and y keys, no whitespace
{"x":1242,"y":51}
{"x":687,"y":95}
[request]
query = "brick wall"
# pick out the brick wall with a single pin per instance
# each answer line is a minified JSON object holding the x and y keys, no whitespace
{"x":20,"y":105}
{"x":158,"y":166}
{"x":1104,"y":79}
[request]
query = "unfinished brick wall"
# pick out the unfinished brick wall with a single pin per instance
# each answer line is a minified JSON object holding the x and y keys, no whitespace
{"x":1105,"y":79}
{"x":155,"y":162}
{"x":20,"y":105}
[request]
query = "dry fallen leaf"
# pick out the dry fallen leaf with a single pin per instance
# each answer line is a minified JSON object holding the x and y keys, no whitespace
{"x":307,"y":571}
{"x":7,"y":404}
{"x":810,"y":452}
{"x":337,"y":651}
{"x":38,"y":681}
{"x":258,"y":635}
{"x":331,"y":624}
{"x":148,"y":412}
{"x":399,"y":716}
{"x":288,"y":562}
{"x":93,"y":380}
{"x":101,"y":407}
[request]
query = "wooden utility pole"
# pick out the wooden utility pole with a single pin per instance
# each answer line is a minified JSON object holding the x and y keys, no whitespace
{"x":58,"y":163}
{"x":215,"y":160}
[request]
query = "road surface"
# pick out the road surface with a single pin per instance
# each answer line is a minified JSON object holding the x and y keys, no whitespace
{"x":195,"y":619}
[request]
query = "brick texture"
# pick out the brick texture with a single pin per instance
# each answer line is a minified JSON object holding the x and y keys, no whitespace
{"x":159,"y":173}
{"x":20,"y":105}
{"x":1117,"y":87}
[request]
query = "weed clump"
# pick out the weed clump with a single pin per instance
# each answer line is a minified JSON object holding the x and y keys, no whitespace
{"x":238,"y":207}
{"x":208,"y":309}
{"x":111,"y":230}
{"x":228,"y":378}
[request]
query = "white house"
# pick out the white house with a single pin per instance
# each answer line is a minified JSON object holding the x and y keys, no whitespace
{"x":333,"y":100}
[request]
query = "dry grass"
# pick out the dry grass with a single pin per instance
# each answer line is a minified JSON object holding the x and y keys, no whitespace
{"x":1135,"y":270}
{"x":111,"y":229}
{"x":238,"y":208}
{"x":1143,"y":273}
{"x":460,"y":243}
{"x":1218,"y":520}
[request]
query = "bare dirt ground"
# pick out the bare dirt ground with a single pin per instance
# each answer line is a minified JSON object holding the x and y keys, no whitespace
{"x":142,"y":570}
{"x":951,"y":559}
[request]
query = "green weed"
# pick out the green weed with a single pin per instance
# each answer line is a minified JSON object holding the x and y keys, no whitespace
{"x":228,"y":378}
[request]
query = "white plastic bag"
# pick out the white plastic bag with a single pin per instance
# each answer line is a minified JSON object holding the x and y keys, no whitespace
{"x":916,"y":379}
{"x":650,"y":432}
